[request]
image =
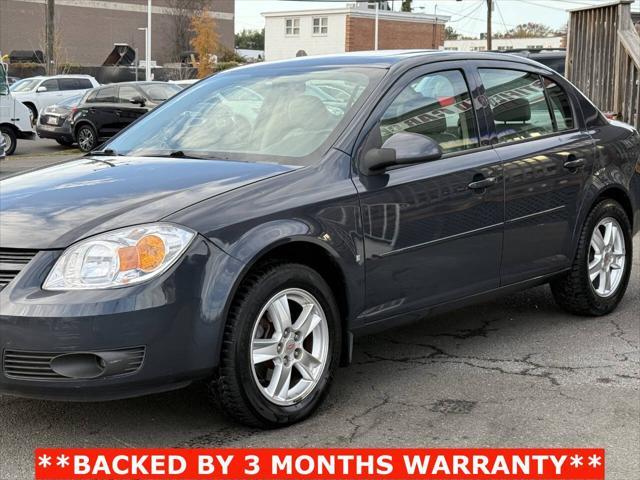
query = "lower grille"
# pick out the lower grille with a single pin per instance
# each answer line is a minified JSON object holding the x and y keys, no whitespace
{"x":12,"y":261}
{"x":26,"y":365}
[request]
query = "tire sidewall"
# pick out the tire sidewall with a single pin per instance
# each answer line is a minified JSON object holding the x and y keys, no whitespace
{"x":609,"y":208}
{"x":11,"y":147}
{"x":285,"y":277}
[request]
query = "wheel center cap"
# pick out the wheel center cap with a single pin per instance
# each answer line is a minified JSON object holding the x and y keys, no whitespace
{"x":290,"y":346}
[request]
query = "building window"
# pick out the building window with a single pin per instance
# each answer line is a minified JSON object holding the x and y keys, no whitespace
{"x":292,"y":26}
{"x":320,"y":25}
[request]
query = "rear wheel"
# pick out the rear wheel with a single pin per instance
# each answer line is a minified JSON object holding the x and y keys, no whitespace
{"x":10,"y":139}
{"x":87,"y":138}
{"x":281,"y":347}
{"x":600,"y":272}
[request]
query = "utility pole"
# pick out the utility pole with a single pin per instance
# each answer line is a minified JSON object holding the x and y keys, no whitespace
{"x":489,"y":13}
{"x":148,"y":42}
{"x":50,"y":28}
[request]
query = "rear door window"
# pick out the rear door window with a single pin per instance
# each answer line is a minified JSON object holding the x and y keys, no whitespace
{"x":69,"y":84}
{"x":106,"y":95}
{"x":518,"y":102}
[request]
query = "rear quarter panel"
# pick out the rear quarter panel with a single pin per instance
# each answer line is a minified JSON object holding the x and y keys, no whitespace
{"x":616,"y":167}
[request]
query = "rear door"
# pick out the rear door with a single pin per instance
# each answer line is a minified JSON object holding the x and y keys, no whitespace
{"x":536,"y":131}
{"x":432,"y":233}
{"x":103,"y":112}
{"x":70,"y":86}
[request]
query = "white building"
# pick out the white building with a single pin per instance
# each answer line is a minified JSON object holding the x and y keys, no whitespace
{"x":504,"y":44}
{"x":339,"y":30}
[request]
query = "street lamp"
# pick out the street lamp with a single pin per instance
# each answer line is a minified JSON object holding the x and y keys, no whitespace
{"x":147,"y":60}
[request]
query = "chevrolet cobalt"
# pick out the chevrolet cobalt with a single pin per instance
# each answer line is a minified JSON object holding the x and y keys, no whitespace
{"x":247,"y":229}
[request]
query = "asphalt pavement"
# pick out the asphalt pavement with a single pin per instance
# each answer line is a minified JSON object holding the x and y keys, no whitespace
{"x":515,"y":372}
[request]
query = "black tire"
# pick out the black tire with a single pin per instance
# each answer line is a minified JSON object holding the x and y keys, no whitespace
{"x":574,"y":291}
{"x":234,"y":387}
{"x":86,"y":137}
{"x":11,"y":140}
{"x":65,"y":142}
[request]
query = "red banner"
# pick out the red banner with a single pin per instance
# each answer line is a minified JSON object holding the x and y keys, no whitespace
{"x":320,"y":464}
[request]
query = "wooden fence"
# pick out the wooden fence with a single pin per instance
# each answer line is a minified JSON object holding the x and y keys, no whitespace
{"x":603,"y":58}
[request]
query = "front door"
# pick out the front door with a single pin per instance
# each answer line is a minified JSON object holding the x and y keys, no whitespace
{"x":128,"y":112}
{"x":433,"y":231}
{"x":547,"y":160}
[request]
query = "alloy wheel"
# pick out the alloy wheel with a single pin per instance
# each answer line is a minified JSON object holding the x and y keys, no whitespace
{"x":85,"y":139}
{"x":607,"y":257}
{"x":290,"y":345}
{"x":8,"y":141}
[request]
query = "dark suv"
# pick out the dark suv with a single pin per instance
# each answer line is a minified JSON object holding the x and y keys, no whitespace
{"x":106,"y":110}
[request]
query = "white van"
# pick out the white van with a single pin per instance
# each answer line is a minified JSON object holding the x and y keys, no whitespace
{"x":15,"y":117}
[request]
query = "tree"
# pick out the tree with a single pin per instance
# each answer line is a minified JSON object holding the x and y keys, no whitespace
{"x":204,"y":41}
{"x":406,"y":6}
{"x":529,"y":30}
{"x":182,"y":11}
{"x":451,"y":34}
{"x":250,"y":39}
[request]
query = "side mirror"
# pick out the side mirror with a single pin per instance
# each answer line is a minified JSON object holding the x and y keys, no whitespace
{"x":41,"y":89}
{"x":402,"y":148}
{"x":139,"y":100}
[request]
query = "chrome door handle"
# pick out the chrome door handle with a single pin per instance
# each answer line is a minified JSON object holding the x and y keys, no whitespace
{"x":484,"y":183}
{"x":573,"y":164}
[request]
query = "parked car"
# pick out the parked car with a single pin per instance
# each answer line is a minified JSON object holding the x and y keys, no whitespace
{"x":15,"y":122}
{"x":105,"y":111}
{"x":554,"y":58}
{"x":40,"y":92}
{"x":54,"y":121}
{"x":186,"y":83}
{"x":205,"y":243}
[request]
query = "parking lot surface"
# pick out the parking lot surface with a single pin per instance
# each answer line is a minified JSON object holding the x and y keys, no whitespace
{"x":515,"y":372}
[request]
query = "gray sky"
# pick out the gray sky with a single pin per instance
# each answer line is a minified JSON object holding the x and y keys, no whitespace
{"x":467,"y":16}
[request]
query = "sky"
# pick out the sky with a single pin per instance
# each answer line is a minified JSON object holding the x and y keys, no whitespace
{"x":468,"y":17}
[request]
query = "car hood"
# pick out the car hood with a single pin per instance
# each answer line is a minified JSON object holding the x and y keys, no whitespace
{"x":56,"y":206}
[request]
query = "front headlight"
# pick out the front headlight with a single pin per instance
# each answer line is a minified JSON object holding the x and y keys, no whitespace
{"x":119,"y":258}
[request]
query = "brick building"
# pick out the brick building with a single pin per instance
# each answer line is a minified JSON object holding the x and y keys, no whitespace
{"x":318,"y":32}
{"x":87,"y":29}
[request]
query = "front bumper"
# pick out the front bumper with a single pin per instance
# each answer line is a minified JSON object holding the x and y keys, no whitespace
{"x":175,"y":320}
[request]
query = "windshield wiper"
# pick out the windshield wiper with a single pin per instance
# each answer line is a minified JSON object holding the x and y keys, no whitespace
{"x":182,"y":154}
{"x":107,"y":152}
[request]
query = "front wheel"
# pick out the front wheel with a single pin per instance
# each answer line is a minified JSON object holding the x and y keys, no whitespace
{"x":87,"y":138}
{"x":281,"y":347}
{"x":600,"y":272}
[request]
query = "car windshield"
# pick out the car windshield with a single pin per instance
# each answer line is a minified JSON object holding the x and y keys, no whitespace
{"x":252,"y":114}
{"x":160,"y":92}
{"x":25,"y":85}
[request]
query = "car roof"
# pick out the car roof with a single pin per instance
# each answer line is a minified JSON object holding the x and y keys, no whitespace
{"x":388,"y":58}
